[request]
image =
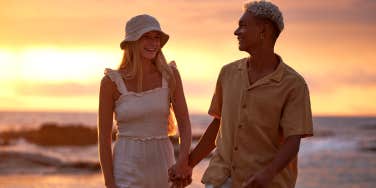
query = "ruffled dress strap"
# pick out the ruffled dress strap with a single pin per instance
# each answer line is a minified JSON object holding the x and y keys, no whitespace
{"x":115,"y":76}
{"x":164,"y":82}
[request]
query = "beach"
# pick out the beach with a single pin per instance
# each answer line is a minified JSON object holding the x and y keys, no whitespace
{"x":341,"y":154}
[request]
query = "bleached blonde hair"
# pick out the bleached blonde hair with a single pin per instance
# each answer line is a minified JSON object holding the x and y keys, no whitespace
{"x":131,"y":68}
{"x":266,"y":10}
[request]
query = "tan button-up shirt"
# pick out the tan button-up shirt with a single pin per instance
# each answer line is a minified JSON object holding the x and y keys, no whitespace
{"x":255,"y":120}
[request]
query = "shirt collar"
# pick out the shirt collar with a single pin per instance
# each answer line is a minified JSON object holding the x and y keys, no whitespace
{"x":276,"y":75}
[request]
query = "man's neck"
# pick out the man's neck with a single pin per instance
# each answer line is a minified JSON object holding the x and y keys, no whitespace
{"x":263,"y":60}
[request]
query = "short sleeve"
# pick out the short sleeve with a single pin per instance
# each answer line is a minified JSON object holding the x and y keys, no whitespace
{"x":296,"y":115}
{"x":115,"y":76}
{"x":215,"y":108}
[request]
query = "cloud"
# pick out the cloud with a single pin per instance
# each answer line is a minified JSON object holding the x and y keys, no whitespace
{"x":196,"y":88}
{"x":10,"y":102}
{"x":57,"y":90}
{"x":98,"y":23}
{"x":361,"y":78}
{"x":192,"y":88}
{"x":331,"y":81}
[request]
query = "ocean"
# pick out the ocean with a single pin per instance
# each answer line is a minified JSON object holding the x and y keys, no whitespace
{"x":341,"y":154}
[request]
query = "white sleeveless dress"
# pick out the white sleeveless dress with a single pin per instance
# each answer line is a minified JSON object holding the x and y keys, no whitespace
{"x":143,"y":152}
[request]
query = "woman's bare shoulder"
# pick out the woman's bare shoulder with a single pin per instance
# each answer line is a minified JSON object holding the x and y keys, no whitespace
{"x":174,"y":69}
{"x":107,"y":83}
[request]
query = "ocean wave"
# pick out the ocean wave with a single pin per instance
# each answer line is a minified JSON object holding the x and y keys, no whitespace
{"x":13,"y":162}
{"x":53,"y":134}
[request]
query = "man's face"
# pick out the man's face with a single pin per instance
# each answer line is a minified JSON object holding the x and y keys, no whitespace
{"x":248,"y":33}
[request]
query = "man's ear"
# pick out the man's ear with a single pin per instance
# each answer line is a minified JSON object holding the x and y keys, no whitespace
{"x":264,"y":26}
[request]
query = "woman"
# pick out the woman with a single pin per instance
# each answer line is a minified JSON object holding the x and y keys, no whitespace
{"x":142,"y":94}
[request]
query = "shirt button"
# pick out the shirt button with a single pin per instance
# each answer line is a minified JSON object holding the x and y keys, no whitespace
{"x":244,"y":106}
{"x":236,"y":148}
{"x":240,"y":126}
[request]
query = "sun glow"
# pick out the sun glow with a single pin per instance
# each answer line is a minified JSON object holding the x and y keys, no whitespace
{"x":61,"y":65}
{"x":52,"y":58}
{"x":34,"y":78}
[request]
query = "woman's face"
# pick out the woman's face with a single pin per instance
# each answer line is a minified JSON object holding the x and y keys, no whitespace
{"x":150,"y":44}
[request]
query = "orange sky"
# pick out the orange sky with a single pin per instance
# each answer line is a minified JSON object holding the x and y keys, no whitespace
{"x":52,"y":53}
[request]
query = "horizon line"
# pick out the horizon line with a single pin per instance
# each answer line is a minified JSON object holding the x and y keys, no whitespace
{"x":192,"y":113}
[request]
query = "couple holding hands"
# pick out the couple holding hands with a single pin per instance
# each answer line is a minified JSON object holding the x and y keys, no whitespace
{"x":260,"y":109}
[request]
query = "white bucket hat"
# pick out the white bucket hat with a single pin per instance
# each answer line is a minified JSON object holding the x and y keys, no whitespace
{"x":139,"y":25}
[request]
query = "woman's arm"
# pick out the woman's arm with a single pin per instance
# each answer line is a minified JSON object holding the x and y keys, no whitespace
{"x":105,"y":115}
{"x":182,"y":116}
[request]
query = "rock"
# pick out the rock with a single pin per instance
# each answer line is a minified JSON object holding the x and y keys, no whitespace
{"x":52,"y":134}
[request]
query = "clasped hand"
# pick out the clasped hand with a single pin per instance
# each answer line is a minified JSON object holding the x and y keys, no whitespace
{"x":180,"y":174}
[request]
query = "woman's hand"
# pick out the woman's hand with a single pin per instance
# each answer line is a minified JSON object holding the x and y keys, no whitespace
{"x":183,"y":170}
{"x":180,"y":174}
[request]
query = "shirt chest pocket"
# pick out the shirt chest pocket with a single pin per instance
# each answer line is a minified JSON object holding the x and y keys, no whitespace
{"x":263,"y":106}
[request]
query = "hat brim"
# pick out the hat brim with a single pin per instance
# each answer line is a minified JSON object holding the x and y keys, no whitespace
{"x":135,"y":37}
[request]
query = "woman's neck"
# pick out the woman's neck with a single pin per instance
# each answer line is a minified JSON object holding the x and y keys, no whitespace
{"x":147,"y":66}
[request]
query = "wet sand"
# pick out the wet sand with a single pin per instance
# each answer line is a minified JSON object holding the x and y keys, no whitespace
{"x":325,"y":163}
{"x":69,"y":180}
{"x":340,"y":154}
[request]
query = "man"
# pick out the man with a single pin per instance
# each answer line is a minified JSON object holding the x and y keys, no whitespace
{"x":261,"y":110}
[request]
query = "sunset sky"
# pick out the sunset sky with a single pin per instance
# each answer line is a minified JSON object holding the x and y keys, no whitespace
{"x":53,"y":52}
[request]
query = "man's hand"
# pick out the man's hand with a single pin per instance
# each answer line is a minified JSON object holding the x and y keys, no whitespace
{"x":182,"y":179}
{"x":286,"y":153}
{"x":260,"y":180}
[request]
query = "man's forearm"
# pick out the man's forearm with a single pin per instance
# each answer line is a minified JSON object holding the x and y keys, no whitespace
{"x":287,"y":152}
{"x":206,"y":143}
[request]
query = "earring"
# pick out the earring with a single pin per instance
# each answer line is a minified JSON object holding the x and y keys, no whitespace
{"x":262,"y":36}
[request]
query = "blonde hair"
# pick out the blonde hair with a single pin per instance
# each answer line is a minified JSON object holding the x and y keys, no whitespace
{"x":131,"y":68}
{"x":266,"y":10}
